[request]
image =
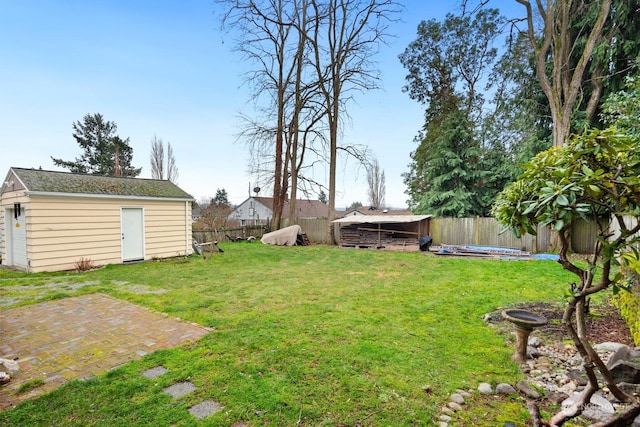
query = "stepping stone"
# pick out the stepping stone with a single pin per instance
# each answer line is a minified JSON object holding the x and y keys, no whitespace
{"x":178,"y":390}
{"x":204,"y":409}
{"x":155,"y":372}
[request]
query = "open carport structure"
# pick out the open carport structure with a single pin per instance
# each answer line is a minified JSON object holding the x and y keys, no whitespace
{"x":382,"y":231}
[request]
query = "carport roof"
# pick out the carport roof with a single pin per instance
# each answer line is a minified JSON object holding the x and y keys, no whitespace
{"x":381,"y":219}
{"x":52,"y":182}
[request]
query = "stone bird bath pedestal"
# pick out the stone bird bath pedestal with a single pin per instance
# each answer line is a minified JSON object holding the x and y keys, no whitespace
{"x":524,"y":322}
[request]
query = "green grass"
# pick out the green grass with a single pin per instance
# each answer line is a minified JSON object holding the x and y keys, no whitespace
{"x":30,"y":385}
{"x":302,"y":336}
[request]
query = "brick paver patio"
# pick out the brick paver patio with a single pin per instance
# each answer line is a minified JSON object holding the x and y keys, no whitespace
{"x":80,"y":337}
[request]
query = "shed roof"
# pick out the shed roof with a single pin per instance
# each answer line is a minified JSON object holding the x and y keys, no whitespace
{"x":381,"y":219}
{"x":43,"y":181}
{"x":371,"y":211}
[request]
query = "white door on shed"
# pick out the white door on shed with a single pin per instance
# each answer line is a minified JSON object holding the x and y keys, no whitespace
{"x":16,"y":238}
{"x":132,"y":228}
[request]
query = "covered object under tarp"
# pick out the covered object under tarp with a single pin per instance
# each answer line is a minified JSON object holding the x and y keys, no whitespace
{"x":379,"y":231}
{"x":287,"y":236}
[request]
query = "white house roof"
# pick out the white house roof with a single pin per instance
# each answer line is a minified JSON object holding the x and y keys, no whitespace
{"x":380,"y":219}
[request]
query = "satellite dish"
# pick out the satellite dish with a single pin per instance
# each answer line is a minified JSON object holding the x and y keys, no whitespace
{"x":256,"y":190}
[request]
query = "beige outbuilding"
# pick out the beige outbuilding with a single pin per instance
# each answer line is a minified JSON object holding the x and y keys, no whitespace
{"x":51,"y":221}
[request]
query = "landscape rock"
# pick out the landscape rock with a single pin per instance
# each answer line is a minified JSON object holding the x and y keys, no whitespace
{"x":534,"y":342}
{"x":445,"y":418}
{"x":624,"y":353}
{"x":505,"y":389}
{"x":485,"y":388}
{"x":527,"y":390}
{"x":543,"y":361}
{"x":454,"y":406}
{"x":493,"y":317}
{"x":447,"y":411}
{"x":608,"y":346}
{"x":629,"y":388}
{"x":457,"y":398}
{"x":9,"y":366}
{"x":464,"y":393}
{"x":598,"y":408}
{"x":625,"y":371}
{"x":532,"y":352}
{"x":557,"y":398}
{"x":578,"y":376}
{"x":4,"y":378}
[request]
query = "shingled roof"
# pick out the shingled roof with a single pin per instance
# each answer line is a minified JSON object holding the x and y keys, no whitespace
{"x":42,"y":181}
{"x":306,"y":208}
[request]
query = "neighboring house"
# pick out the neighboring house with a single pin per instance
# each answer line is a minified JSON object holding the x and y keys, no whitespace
{"x":195,"y":214}
{"x":371,"y":210}
{"x":49,"y":220}
{"x":259,"y":210}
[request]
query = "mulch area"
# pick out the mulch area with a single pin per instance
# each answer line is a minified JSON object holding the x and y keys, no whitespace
{"x":604,"y":323}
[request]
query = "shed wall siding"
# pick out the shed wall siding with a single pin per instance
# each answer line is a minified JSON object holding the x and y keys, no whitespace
{"x":61,"y":230}
{"x":165,"y":227}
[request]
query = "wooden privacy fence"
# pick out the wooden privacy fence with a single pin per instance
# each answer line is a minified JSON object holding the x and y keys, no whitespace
{"x":226,"y":234}
{"x":450,"y":231}
{"x":488,"y":232}
{"x":485,"y":232}
{"x":316,"y":230}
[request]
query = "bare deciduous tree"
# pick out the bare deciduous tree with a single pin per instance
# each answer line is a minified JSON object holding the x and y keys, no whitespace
{"x":376,"y":184}
{"x":157,"y":158}
{"x":214,"y":213}
{"x":172,"y":168}
{"x":311,"y":56}
{"x":265,"y":29}
{"x":345,"y":38}
{"x":563,"y":85}
{"x":160,"y":170}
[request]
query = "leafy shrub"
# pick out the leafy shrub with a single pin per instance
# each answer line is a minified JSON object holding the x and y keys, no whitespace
{"x":629,"y":305}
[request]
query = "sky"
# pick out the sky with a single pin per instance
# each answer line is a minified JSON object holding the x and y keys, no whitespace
{"x":164,"y":68}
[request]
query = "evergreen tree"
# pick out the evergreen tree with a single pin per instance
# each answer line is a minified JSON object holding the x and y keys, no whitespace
{"x":458,"y":167}
{"x":104,"y":152}
{"x":221,"y":198}
{"x":444,"y":171}
{"x":322,"y":196}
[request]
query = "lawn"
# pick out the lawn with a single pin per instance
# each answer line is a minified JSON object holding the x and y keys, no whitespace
{"x":302,"y":336}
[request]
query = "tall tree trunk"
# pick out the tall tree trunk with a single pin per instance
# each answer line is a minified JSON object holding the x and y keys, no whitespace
{"x":564,"y":84}
{"x":278,"y":196}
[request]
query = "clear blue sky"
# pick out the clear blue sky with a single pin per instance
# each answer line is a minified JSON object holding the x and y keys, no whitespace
{"x":162,"y":67}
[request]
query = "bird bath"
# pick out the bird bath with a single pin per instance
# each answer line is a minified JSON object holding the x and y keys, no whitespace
{"x":524,"y":322}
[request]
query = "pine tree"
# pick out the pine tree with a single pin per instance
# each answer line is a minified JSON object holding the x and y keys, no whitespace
{"x":104,"y":152}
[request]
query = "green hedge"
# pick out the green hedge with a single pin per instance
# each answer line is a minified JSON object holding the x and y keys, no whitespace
{"x":629,"y":305}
